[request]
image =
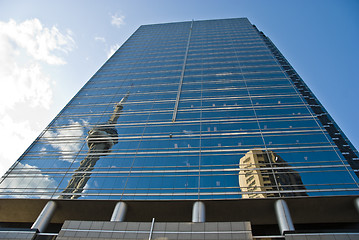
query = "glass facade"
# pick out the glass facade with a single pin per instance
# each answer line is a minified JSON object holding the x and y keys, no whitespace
{"x":191,"y":110}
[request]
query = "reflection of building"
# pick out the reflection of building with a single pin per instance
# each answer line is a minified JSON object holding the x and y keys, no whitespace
{"x":203,"y":94}
{"x":100,"y":140}
{"x":265,"y":174}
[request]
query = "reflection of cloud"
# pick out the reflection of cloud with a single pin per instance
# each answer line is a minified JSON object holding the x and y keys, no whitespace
{"x":37,"y":183}
{"x":188,"y":132}
{"x":68,"y":139}
{"x":117,"y":21}
{"x":112,"y":50}
{"x":224,"y":74}
{"x":86,"y":187}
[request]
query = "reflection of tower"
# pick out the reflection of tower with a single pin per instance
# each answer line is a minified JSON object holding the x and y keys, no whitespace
{"x":100,"y":140}
{"x":263,"y":173}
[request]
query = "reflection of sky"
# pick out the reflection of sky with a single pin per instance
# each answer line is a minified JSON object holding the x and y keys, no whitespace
{"x":30,"y":183}
{"x":68,"y":141}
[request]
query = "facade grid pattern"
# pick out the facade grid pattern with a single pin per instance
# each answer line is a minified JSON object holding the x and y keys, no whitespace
{"x":169,"y":117}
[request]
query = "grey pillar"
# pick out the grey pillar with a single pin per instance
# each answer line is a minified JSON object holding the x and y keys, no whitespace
{"x":283,"y":217}
{"x":198,"y":212}
{"x":45,"y":216}
{"x":119,"y":212}
{"x":356,"y":203}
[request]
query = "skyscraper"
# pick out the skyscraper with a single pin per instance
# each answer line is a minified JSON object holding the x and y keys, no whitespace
{"x":155,"y":145}
{"x":256,"y":175}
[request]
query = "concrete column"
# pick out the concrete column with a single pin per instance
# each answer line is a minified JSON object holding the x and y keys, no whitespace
{"x":356,"y":203}
{"x":198,"y":212}
{"x":283,"y":217}
{"x":45,"y":216}
{"x":119,"y":212}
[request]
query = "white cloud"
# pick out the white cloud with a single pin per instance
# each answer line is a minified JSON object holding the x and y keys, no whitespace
{"x":40,"y":43}
{"x":23,"y":84}
{"x":25,"y":90}
{"x":37,"y":183}
{"x":22,"y":77}
{"x":112,"y":50}
{"x":117,"y":21}
{"x":100,"y":39}
{"x":16,"y":137}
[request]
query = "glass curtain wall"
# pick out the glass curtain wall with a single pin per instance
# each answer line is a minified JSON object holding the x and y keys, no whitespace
{"x":190,"y":110}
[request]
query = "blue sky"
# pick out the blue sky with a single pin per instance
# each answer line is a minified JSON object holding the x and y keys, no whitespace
{"x":49,"y":49}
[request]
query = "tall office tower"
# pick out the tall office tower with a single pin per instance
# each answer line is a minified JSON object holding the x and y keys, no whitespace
{"x":191,"y":130}
{"x":256,"y":175}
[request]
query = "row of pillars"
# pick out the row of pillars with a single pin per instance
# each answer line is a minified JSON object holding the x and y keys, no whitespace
{"x":281,"y":209}
{"x":198,"y":212}
{"x":198,"y":215}
{"x":119,"y":213}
